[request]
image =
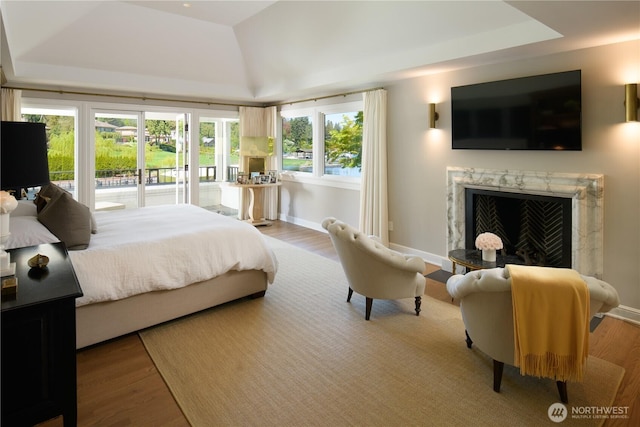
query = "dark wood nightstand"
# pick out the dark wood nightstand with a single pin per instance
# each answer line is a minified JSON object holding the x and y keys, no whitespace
{"x":39,"y":340}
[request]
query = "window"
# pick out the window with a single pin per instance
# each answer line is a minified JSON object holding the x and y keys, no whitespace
{"x":323,"y":141}
{"x":60,"y":125}
{"x":234,"y":144}
{"x":343,"y":143}
{"x":297,"y":143}
{"x":207,"y":154}
{"x":219,"y":148}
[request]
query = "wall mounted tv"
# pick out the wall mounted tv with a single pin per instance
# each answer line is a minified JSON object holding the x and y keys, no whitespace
{"x":529,"y":113}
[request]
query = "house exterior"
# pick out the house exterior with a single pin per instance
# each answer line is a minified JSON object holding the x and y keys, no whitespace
{"x":105,"y":127}
{"x":128,"y":131}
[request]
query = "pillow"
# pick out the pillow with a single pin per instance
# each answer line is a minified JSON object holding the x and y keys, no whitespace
{"x":27,"y":231}
{"x":50,"y":191}
{"x":46,"y":193}
{"x":68,"y":219}
{"x":25,"y":208}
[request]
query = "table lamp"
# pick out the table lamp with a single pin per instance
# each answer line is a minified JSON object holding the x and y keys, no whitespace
{"x":7,"y":204}
{"x":23,"y":156}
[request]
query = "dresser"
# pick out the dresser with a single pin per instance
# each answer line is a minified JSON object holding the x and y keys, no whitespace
{"x":39,"y":340}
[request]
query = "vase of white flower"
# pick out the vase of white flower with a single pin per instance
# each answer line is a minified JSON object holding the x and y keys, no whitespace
{"x":489,"y":255}
{"x":488,"y":243}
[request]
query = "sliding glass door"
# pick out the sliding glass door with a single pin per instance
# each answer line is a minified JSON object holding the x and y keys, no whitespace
{"x":217,"y":141}
{"x":166,"y":158}
{"x":117,"y":149}
{"x":60,"y":124}
{"x":141,"y":158}
{"x":182,"y":158}
{"x":118,"y":156}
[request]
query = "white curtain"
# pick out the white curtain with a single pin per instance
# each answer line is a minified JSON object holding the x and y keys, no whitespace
{"x":374,"y":214}
{"x":11,"y":105}
{"x":261,"y":122}
{"x":271,"y":194}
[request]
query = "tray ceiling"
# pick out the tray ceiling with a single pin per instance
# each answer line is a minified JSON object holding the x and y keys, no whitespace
{"x":274,"y":51}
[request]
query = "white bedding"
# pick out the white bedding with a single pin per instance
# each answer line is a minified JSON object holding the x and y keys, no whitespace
{"x":165,"y":247}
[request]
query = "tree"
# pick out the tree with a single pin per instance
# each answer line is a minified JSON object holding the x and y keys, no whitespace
{"x":60,"y":143}
{"x":158,"y":128}
{"x":344,"y":145}
{"x":111,"y":156}
{"x":299,"y":131}
{"x":234,"y":136}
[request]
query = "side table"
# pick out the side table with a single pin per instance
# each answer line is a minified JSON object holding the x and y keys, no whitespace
{"x":256,"y":204}
{"x":472,"y":259}
{"x":39,"y":340}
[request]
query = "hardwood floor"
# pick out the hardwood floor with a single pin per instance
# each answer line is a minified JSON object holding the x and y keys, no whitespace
{"x":118,"y":384}
{"x":302,"y":237}
{"x":618,"y":342}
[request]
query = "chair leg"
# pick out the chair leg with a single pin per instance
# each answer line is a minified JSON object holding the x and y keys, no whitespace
{"x":468,"y":339}
{"x":498,"y":367}
{"x":562,"y":389}
{"x":418,"y":303}
{"x":350,"y":293}
{"x":369,"y":304}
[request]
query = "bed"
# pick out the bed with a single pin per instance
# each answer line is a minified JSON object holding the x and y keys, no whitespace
{"x":149,"y":265}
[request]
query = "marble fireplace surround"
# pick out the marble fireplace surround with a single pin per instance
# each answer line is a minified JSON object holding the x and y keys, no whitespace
{"x":586,"y":192}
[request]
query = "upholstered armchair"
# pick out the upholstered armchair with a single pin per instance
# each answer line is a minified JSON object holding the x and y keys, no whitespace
{"x":373,"y":270}
{"x":487,"y":311}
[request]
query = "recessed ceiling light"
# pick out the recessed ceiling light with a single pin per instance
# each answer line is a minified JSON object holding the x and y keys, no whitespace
{"x":186,"y":4}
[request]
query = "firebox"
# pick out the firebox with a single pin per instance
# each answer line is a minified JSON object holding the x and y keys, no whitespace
{"x":536,"y":228}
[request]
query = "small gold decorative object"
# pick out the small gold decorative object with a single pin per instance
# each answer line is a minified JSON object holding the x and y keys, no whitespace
{"x":9,"y":286}
{"x":38,"y":261}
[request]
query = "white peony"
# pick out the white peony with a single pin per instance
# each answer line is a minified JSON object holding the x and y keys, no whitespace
{"x":7,"y":202}
{"x":488,"y":241}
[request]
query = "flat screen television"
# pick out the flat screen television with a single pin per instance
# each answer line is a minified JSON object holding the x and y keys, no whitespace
{"x":529,"y":113}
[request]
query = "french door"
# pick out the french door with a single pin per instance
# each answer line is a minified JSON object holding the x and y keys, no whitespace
{"x":140,"y":158}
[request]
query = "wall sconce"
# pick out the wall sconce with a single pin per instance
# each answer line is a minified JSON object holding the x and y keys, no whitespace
{"x":631,"y":102}
{"x":433,"y":116}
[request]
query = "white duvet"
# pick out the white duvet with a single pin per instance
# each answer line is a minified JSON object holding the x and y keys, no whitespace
{"x":165,"y":247}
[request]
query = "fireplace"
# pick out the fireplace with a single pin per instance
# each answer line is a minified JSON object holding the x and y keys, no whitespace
{"x":536,"y":229}
{"x":584,"y":193}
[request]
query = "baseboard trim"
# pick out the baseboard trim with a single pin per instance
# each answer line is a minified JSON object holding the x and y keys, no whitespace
{"x":427,"y":256}
{"x":626,"y":313}
{"x":621,"y":312}
{"x":301,"y":222}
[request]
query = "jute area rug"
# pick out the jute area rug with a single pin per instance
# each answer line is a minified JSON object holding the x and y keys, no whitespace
{"x":303,"y":356}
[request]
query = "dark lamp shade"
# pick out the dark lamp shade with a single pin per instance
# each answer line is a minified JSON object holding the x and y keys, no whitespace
{"x":23,"y":155}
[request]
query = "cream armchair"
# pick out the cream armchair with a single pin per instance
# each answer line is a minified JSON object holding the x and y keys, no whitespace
{"x":485,"y":303}
{"x":373,"y":270}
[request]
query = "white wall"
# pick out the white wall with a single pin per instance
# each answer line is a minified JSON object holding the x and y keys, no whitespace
{"x":308,"y":204}
{"x":418,"y":158}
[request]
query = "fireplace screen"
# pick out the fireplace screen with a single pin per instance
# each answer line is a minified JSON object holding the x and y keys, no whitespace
{"x":535,"y":228}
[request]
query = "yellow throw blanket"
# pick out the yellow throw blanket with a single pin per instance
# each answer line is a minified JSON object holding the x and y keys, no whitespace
{"x":551,"y":321}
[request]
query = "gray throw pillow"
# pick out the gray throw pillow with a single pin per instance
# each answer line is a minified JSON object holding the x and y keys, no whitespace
{"x":68,"y":220}
{"x":46,"y":193}
{"x":50,"y":191}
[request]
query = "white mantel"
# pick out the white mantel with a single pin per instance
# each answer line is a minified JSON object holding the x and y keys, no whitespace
{"x":585,"y":190}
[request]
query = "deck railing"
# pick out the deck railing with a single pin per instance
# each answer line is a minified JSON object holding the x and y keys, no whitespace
{"x":152,"y":176}
{"x":129,"y":177}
